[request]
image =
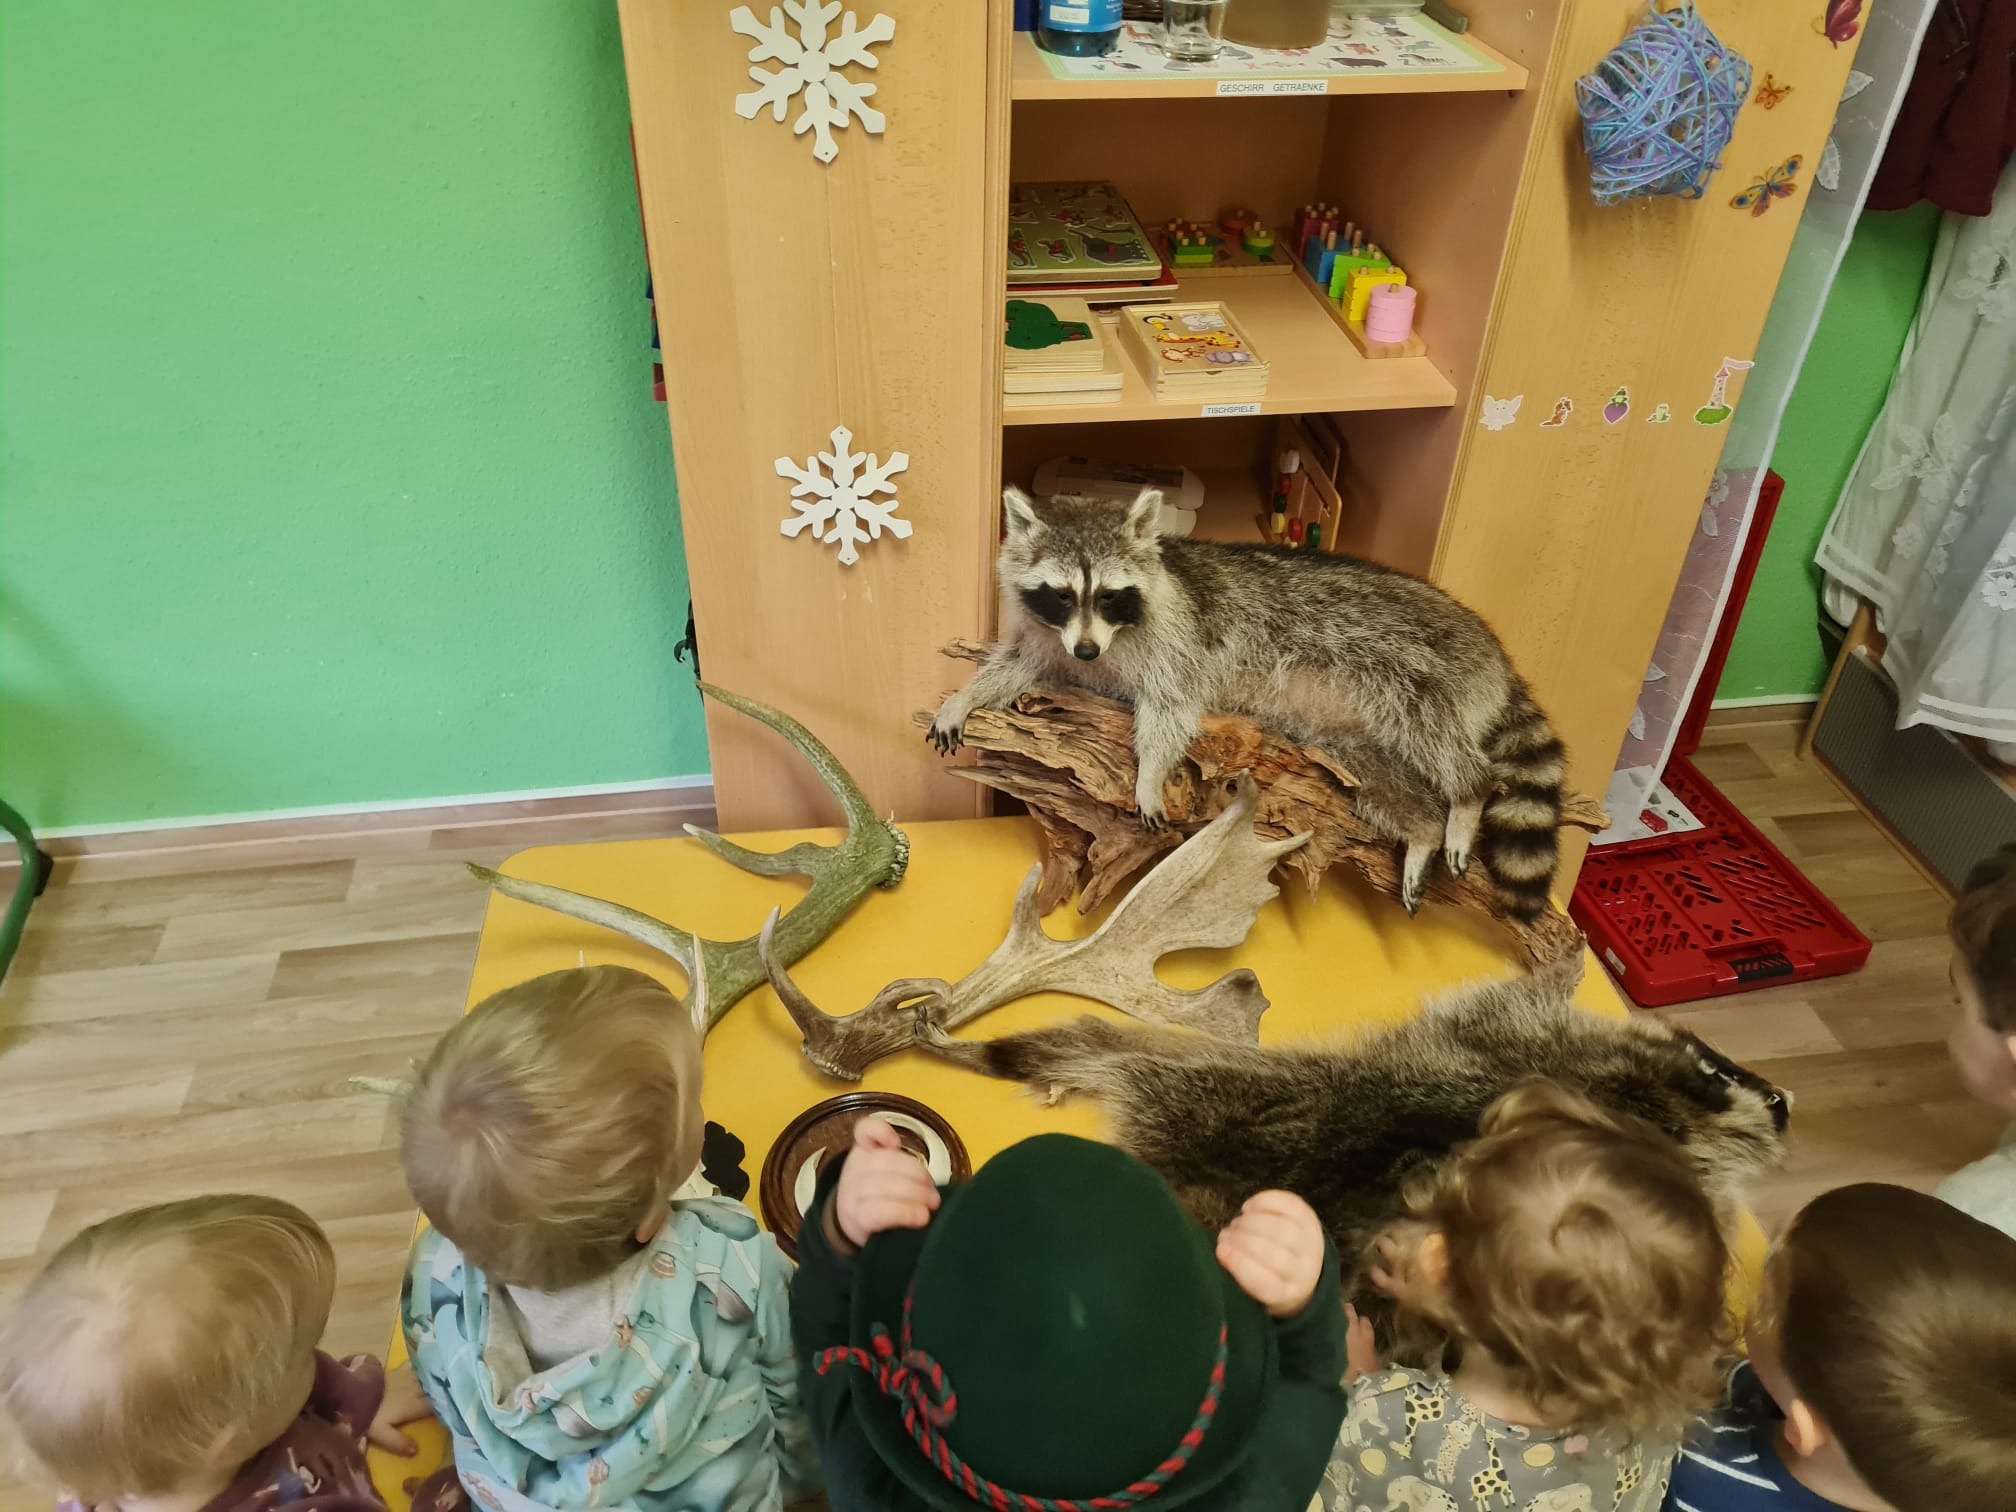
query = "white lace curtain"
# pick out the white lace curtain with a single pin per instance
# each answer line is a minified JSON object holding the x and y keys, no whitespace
{"x":1926,"y":528}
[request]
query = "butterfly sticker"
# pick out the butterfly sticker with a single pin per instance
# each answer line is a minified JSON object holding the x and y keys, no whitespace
{"x":1775,"y":185}
{"x":1842,"y":21}
{"x":1770,"y":92}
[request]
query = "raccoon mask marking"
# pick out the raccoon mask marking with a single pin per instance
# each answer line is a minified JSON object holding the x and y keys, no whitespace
{"x":1087,"y":585}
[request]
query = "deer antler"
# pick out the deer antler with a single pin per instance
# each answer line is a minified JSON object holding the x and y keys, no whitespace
{"x":721,"y":973}
{"x":1206,"y":894}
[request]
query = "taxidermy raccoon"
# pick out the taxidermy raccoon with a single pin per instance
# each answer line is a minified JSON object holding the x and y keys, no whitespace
{"x":1374,"y":666}
{"x":1344,"y":1125}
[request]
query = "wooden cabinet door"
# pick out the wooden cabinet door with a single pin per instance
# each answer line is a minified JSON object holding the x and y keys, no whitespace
{"x":795,"y":296}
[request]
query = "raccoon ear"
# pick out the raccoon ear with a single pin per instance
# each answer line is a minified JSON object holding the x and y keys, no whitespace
{"x":1020,"y":513}
{"x":1142,"y":512}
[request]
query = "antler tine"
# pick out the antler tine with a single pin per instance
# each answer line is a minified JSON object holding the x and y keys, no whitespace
{"x":853,"y":802}
{"x":805,"y":1013}
{"x":719,"y":973}
{"x":656,"y":933}
{"x":844,"y":1046}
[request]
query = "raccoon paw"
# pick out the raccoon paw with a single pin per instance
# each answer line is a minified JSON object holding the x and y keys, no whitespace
{"x":1457,"y":859}
{"x":946,"y":737}
{"x":1415,"y":865}
{"x":1154,"y":820}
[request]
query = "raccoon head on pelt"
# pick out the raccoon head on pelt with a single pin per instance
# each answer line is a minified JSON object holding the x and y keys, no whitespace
{"x":1735,"y":1123}
{"x":1729,"y":1120}
{"x":1087,"y":569}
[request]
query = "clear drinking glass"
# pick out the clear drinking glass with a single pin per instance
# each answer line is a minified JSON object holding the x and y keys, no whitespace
{"x":1193,"y":30}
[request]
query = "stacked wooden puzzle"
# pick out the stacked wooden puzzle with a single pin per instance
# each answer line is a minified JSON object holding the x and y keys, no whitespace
{"x":1196,"y":352}
{"x":1057,"y":353}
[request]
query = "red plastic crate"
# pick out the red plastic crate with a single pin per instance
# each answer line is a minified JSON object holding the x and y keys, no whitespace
{"x":1713,"y":911}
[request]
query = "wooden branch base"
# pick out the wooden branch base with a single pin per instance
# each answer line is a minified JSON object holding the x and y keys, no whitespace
{"x":1069,"y":757}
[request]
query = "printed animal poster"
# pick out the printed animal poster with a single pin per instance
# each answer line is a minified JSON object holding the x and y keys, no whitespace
{"x":1367,"y":44}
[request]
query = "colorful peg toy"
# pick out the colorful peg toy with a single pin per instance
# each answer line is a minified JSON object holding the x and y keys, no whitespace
{"x":1286,"y":466}
{"x":1258,"y":241}
{"x":1190,"y":244}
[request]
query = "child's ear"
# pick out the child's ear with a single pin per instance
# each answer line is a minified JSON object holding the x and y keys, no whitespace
{"x":1804,"y":1431}
{"x":1023,"y":522}
{"x":1142,"y":512}
{"x":1433,"y":1258}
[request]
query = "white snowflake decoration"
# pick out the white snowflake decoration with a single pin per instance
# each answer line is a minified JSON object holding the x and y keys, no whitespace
{"x":812,"y":63}
{"x":839,"y":504}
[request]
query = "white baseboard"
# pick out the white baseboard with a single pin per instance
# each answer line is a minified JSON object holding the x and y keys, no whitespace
{"x":664,"y":803}
{"x":385,"y":806}
{"x":1765,"y":700}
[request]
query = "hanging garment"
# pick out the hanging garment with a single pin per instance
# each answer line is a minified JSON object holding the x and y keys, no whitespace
{"x":1958,"y":123}
{"x":1926,"y":528}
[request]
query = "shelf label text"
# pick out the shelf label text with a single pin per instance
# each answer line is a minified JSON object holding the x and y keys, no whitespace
{"x":1273,"y":87}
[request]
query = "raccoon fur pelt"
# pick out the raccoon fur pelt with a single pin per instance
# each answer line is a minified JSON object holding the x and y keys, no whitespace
{"x":1344,"y":1125}
{"x":1324,"y":649}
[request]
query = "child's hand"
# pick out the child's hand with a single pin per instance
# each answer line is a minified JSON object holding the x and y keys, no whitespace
{"x":1274,"y":1250}
{"x":882,"y":1186}
{"x":1361,"y":1349}
{"x":1412,"y":1268}
{"x":403,"y":1403}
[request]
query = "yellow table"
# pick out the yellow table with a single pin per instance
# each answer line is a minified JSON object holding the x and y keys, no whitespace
{"x":1345,"y":958}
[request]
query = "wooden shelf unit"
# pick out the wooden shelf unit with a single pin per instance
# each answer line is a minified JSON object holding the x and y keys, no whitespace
{"x":1433,"y":173}
{"x":1033,"y":80}
{"x":867,"y":292}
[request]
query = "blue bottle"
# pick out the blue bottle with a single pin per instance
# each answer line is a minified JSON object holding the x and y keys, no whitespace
{"x":1077,"y":28}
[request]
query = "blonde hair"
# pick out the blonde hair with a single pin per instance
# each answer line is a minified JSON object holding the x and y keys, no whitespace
{"x":547,"y":1125}
{"x":1585,"y":1256}
{"x":1897,"y":1325}
{"x":157,"y":1341}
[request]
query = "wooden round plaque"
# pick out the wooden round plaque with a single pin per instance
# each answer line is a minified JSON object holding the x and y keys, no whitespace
{"x":825,"y":1131}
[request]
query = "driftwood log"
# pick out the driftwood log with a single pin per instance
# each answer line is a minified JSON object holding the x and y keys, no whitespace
{"x":1068,"y":756}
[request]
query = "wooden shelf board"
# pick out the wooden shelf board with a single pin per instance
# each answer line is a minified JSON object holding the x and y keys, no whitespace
{"x":1033,"y":80}
{"x":1316,"y":369}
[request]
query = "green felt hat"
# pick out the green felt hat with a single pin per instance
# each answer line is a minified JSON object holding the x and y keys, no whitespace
{"x":1061,"y":1334}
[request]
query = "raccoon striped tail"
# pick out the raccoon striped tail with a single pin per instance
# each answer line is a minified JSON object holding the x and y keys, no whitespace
{"x":1519,"y":839}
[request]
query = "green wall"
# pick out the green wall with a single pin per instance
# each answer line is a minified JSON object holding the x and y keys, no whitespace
{"x":1777,"y":651}
{"x":331,"y":470}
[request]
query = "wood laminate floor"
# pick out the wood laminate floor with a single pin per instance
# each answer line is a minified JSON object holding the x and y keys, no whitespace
{"x":178,"y":1024}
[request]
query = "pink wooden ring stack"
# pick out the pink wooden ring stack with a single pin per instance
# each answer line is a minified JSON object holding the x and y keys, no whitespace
{"x":1390,"y":317}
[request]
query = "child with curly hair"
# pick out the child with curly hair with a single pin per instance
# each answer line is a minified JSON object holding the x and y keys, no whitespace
{"x":1577,"y":1268}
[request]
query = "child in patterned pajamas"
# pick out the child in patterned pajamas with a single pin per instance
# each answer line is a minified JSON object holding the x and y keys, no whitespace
{"x":589,"y":1340}
{"x":1577,"y":1267}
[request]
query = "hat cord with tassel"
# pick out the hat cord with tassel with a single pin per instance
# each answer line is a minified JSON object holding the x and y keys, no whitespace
{"x":916,"y":1380}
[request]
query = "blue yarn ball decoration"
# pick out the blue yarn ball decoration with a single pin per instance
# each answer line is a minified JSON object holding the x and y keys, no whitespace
{"x":1658,"y":112}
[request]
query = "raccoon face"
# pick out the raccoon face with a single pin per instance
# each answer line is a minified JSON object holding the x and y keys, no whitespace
{"x":1731,"y":1120}
{"x":1081,"y":567}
